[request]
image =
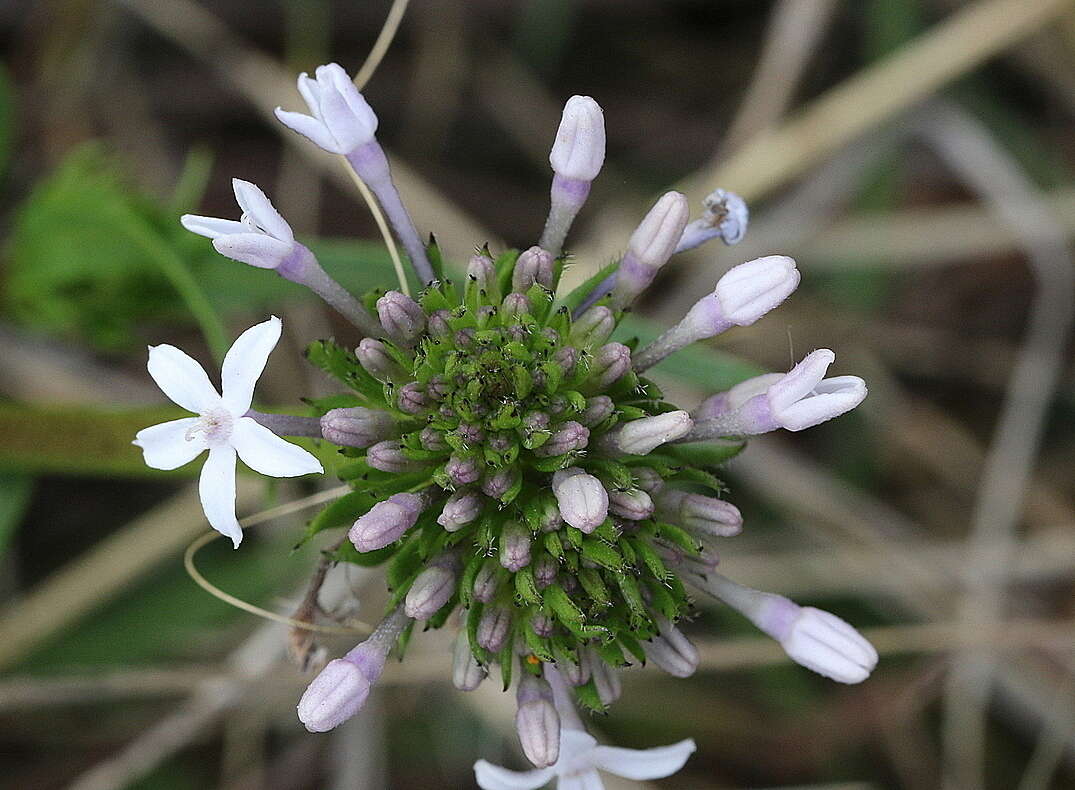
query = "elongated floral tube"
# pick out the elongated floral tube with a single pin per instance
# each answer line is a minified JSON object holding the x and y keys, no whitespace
{"x":702,"y":514}
{"x":650,"y":247}
{"x":402,"y":317}
{"x":514,"y":546}
{"x":432,"y":588}
{"x":632,"y":504}
{"x":537,"y":722}
{"x":341,"y":688}
{"x":386,"y":521}
{"x":726,"y":217}
{"x":816,"y":639}
{"x":460,"y":509}
{"x":582,"y":500}
{"x":374,"y":358}
{"x":671,"y":650}
{"x":357,"y":426}
{"x":467,"y":673}
{"x":493,"y":627}
{"x":642,"y":436}
{"x":533,"y":267}
{"x":576,"y":159}
{"x":794,"y":401}
{"x":742,"y":296}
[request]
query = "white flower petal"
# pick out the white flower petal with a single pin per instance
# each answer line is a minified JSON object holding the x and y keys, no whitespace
{"x":166,"y":446}
{"x":643,"y":763}
{"x":182,"y":379}
{"x":255,"y":249}
{"x":800,"y":381}
{"x":257,"y":207}
{"x":311,"y":94}
{"x":216,"y":487}
{"x":310,"y":128}
{"x":493,"y":777}
{"x":211,"y":227}
{"x":585,"y":781}
{"x":265,"y":452}
{"x":244,"y":363}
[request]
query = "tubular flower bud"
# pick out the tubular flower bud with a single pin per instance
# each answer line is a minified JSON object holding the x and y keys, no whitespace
{"x":481,"y":272}
{"x":432,"y":439}
{"x":537,"y":722}
{"x":341,"y":688}
{"x":432,"y":588}
{"x":493,"y":627}
{"x":388,"y":456}
{"x":643,"y":436}
{"x":703,"y":514}
{"x":610,"y":362}
{"x":567,"y":357}
{"x":373,"y":356}
{"x":545,"y":570}
{"x":412,"y":398}
{"x":571,"y":436}
{"x":647,"y":479}
{"x":605,"y":679}
{"x":813,"y":638}
{"x":340,"y":120}
{"x":799,"y":399}
{"x":726,"y":217}
{"x":514,"y":546}
{"x":742,"y":296}
{"x":542,"y":624}
{"x":579,"y":150}
{"x":633,"y":505}
{"x":437,"y":324}
{"x":486,"y":582}
{"x":598,"y":409}
{"x":460,"y":509}
{"x":575,"y":672}
{"x":402,"y":317}
{"x":463,"y":471}
{"x":671,"y":650}
{"x":593,"y":327}
{"x":650,"y":247}
{"x":515,"y":305}
{"x":357,"y":426}
{"x":534,"y":266}
{"x":582,"y":500}
{"x":386,"y":522}
{"x":467,"y":673}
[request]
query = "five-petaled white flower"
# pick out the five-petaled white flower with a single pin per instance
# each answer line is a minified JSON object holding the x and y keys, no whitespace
{"x":221,"y":426}
{"x":580,"y":757}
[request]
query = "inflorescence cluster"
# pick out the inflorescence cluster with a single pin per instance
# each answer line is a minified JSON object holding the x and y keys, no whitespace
{"x":509,"y":461}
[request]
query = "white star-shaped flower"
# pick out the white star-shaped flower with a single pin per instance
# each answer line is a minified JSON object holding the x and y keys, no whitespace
{"x":580,"y":758}
{"x":221,"y":426}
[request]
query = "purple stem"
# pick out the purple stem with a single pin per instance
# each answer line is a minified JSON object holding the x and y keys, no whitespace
{"x":287,"y":424}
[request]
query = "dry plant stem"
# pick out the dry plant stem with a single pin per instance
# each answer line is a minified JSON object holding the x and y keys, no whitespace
{"x":967,"y":147}
{"x":1056,"y":732}
{"x":795,"y":28}
{"x":951,"y":48}
{"x":383,"y":42}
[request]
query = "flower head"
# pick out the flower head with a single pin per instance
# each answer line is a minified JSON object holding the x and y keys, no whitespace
{"x":221,"y":426}
{"x":340,"y":119}
{"x":260,"y":237}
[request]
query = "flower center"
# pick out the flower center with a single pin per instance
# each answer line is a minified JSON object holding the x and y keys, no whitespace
{"x":215,"y":426}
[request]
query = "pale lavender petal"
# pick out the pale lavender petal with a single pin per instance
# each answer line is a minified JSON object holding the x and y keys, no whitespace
{"x":244,"y":363}
{"x":493,"y":777}
{"x":265,"y":452}
{"x":182,"y":379}
{"x":310,"y":128}
{"x":212,"y":227}
{"x":253,"y":249}
{"x":256,"y":205}
{"x":165,"y":446}
{"x":590,"y":780}
{"x":216,"y":488}
{"x":654,"y":763}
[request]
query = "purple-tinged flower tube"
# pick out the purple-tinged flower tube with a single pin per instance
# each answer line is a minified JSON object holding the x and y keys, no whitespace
{"x":633,"y":504}
{"x":496,"y":485}
{"x":643,"y":436}
{"x":533,"y":267}
{"x":593,"y":327}
{"x":726,"y":217}
{"x":482,"y":272}
{"x":543,"y":625}
{"x":357,"y":426}
{"x":463,"y":471}
{"x":515,"y":305}
{"x":262,"y":238}
{"x":813,"y":638}
{"x":647,"y":479}
{"x":671,"y":650}
{"x":437,"y":324}
{"x":650,"y":247}
{"x":605,"y":679}
{"x":569,"y":437}
{"x":598,"y":409}
{"x":799,"y":399}
{"x":460,"y":509}
{"x":576,"y":159}
{"x":487,"y":581}
{"x":374,"y":358}
{"x":432,"y":439}
{"x":742,"y":296}
{"x":566,"y":357}
{"x":402,"y":317}
{"x":545,"y":570}
{"x":386,"y":522}
{"x":412,"y":398}
{"x":699,"y":513}
{"x":514,"y":546}
{"x":341,"y":689}
{"x":432,"y":588}
{"x":388,"y":456}
{"x":575,"y":672}
{"x":493,"y":627}
{"x":582,"y":500}
{"x":537,"y":722}
{"x":609,"y":364}
{"x":467,"y":673}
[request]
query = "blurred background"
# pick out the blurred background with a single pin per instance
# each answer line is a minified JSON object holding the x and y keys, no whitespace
{"x":914,"y":156}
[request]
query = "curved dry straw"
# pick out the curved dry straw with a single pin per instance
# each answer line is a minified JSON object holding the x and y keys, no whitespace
{"x":200,"y":542}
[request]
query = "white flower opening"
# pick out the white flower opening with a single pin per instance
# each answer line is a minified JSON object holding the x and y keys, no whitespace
{"x":221,"y":426}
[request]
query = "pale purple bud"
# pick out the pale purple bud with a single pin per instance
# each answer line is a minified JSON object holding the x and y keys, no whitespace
{"x":726,"y":217}
{"x":609,"y":364}
{"x":566,"y":358}
{"x":515,"y":305}
{"x":438,"y":325}
{"x":605,"y":679}
{"x":642,"y":436}
{"x":373,"y":356}
{"x":593,"y":327}
{"x":537,"y":722}
{"x":340,"y":120}
{"x":549,"y":520}
{"x":386,"y":522}
{"x":567,"y":438}
{"x":575,"y":672}
{"x":470,"y":433}
{"x":486,"y":581}
{"x":493,"y":626}
{"x":499,"y":442}
{"x":545,"y":570}
{"x":671,"y":650}
{"x":633,"y":505}
{"x":460,"y":509}
{"x":485,"y":314}
{"x":534,"y":421}
{"x":650,"y":247}
{"x":699,"y":513}
{"x":261,"y":237}
{"x":438,"y":388}
{"x":482,"y":272}
{"x":467,"y":673}
{"x":582,"y":500}
{"x":463,"y":471}
{"x":514,"y":546}
{"x":534,"y":266}
{"x":356,"y":426}
{"x":431,"y":589}
{"x":598,"y":409}
{"x":401,"y":317}
{"x":412,"y":398}
{"x":432,"y":439}
{"x":579,"y":150}
{"x":499,"y":483}
{"x":388,"y":456}
{"x":647,"y":479}
{"x":464,"y":338}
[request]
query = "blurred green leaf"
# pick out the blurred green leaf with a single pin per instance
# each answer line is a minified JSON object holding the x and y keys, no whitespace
{"x":14,"y":498}
{"x":7,"y":117}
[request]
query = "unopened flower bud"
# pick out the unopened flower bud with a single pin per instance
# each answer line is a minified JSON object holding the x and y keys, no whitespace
{"x":496,"y":485}
{"x":402,"y":317}
{"x":543,"y":625}
{"x":437,"y":324}
{"x":582,"y":500}
{"x":699,"y":513}
{"x":386,"y":522}
{"x":593,"y":327}
{"x":647,"y":479}
{"x":356,"y":426}
{"x":534,"y":266}
{"x":514,"y":546}
{"x":432,"y":439}
{"x":605,"y":679}
{"x":671,"y":650}
{"x":388,"y":456}
{"x":609,"y":364}
{"x":481,"y":272}
{"x":467,"y":673}
{"x":568,"y":437}
{"x":431,"y":589}
{"x":643,"y":436}
{"x":412,"y":398}
{"x":515,"y":305}
{"x":463,"y":471}
{"x":373,"y":356}
{"x":537,"y":722}
{"x":633,"y":504}
{"x":650,"y":247}
{"x":487,"y":581}
{"x":579,"y":150}
{"x":576,"y":670}
{"x":545,"y":570}
{"x":566,"y":357}
{"x":460,"y":509}
{"x":493,"y":627}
